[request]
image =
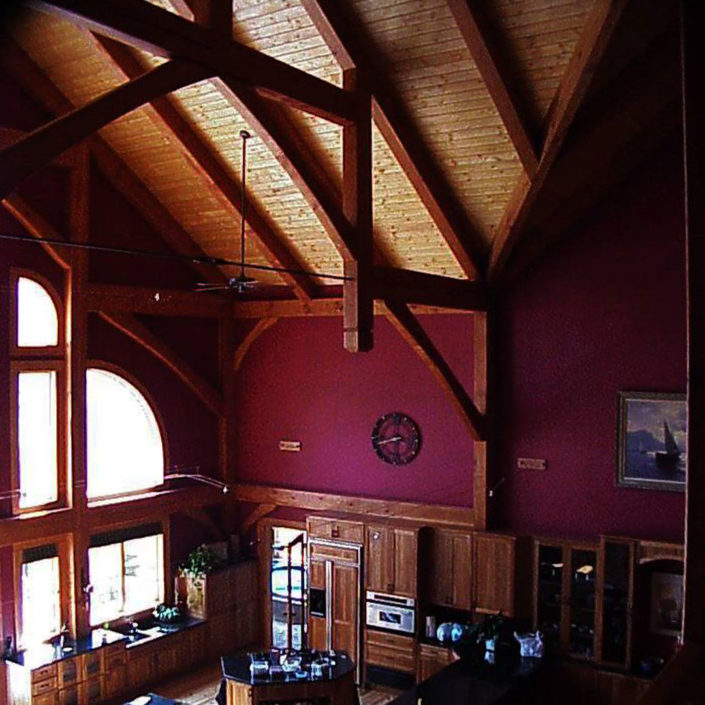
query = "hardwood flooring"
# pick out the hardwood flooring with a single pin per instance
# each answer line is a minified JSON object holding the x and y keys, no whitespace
{"x":199,"y":687}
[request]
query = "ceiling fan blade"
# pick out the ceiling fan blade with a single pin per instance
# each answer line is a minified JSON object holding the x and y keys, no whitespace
{"x":214,"y":287}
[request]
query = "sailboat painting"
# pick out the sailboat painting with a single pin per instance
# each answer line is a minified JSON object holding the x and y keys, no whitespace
{"x":651,"y":440}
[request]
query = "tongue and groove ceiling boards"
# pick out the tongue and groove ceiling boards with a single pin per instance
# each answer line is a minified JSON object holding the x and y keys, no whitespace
{"x":495,"y":123}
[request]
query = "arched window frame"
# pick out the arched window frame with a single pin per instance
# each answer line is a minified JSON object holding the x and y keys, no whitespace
{"x":95,"y":364}
{"x":39,"y":359}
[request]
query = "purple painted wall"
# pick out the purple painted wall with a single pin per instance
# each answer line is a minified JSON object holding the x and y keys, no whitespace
{"x":604,"y":312}
{"x":297,"y":383}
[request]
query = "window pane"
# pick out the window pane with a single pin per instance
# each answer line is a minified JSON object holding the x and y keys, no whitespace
{"x":144,"y":581}
{"x":37,"y":320}
{"x":41,"y":601}
{"x":105,"y":575}
{"x":37,"y":434}
{"x":125,"y":450}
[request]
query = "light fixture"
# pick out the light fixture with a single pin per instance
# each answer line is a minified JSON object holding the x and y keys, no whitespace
{"x":198,"y":478}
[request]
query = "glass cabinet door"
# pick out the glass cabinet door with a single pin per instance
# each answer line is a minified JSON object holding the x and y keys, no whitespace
{"x":616,"y":602}
{"x":583,"y":577}
{"x":549,"y":594}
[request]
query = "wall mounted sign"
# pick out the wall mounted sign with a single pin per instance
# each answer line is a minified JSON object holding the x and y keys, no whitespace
{"x":651,"y":440}
{"x":290,"y":446}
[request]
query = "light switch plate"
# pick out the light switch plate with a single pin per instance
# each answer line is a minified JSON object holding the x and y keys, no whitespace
{"x":531,"y":463}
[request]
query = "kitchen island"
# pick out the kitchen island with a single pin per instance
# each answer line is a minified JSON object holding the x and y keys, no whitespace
{"x":471,"y":681}
{"x":334,"y":686}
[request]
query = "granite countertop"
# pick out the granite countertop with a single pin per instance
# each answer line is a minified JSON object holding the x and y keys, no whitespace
{"x":238,"y":668}
{"x":473,"y":681}
{"x":45,"y":654}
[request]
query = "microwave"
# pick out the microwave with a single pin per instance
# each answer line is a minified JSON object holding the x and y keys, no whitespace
{"x":390,"y":612}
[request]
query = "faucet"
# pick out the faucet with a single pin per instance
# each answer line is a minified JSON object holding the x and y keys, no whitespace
{"x":133,"y":628}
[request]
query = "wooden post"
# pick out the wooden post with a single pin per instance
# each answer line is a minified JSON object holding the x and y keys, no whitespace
{"x":692,"y":23}
{"x":480,"y":389}
{"x":77,"y":337}
{"x":358,"y":310}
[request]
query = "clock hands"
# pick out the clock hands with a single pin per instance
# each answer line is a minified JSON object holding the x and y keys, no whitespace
{"x":393,"y":439}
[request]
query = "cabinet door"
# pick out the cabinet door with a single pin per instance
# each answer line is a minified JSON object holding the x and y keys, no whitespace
{"x":317,"y":625}
{"x":406,"y":574}
{"x":166,"y":659}
{"x":379,"y":559}
{"x":462,"y":571}
{"x":431,"y":660}
{"x":68,"y":672}
{"x":439,"y":580}
{"x":582,"y":564}
{"x":549,"y":595}
{"x":494,"y":574}
{"x":114,"y":681}
{"x":69,"y":696}
{"x":140,"y":670}
{"x":46,"y":699}
{"x":90,"y":691}
{"x":345,"y":610}
{"x":90,"y":665}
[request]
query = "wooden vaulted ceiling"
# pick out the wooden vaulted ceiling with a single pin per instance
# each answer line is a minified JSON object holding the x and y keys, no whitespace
{"x":496,"y":123}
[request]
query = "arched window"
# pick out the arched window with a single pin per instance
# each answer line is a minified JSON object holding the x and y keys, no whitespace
{"x":37,"y":318}
{"x":125,"y":452}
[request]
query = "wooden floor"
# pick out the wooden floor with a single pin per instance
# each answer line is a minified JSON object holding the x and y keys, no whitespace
{"x":199,"y":687}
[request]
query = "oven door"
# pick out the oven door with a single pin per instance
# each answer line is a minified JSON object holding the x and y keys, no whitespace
{"x":390,"y":617}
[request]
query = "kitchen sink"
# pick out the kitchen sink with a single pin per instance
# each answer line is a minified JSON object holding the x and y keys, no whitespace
{"x":132,"y":637}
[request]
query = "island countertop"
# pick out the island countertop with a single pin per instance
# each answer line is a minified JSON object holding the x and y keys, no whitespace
{"x":473,"y":681}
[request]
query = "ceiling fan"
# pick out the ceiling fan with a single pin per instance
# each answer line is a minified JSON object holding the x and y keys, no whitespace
{"x":238,"y":284}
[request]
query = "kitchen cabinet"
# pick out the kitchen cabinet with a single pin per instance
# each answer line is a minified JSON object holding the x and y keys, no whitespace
{"x":90,"y":691}
{"x":432,"y":659}
{"x":565,"y":594}
{"x":448,"y":556}
{"x":392,"y":651}
{"x":69,"y":696}
{"x":335,"y":597}
{"x":335,"y":528}
{"x":501,"y":567}
{"x":391,"y":559}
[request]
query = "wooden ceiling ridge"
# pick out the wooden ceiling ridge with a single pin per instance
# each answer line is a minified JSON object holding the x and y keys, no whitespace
{"x":40,"y":146}
{"x":576,"y":81}
{"x":352,"y":50}
{"x":165,"y":33}
{"x":476,"y":33}
{"x":17,"y":63}
{"x":174,"y":119}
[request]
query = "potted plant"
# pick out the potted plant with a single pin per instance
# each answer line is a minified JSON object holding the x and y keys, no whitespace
{"x":198,"y":564}
{"x":486,"y":633}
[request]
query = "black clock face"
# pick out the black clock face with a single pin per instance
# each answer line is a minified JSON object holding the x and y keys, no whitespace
{"x":396,"y":438}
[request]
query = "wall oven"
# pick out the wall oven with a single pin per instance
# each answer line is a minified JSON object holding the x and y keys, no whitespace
{"x":390,"y":612}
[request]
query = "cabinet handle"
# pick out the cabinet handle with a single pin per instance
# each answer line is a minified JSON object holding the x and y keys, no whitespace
{"x":335,"y":533}
{"x":375,"y":535}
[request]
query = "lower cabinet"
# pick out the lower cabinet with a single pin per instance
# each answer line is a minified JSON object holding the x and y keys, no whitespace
{"x":431,"y":660}
{"x":69,"y":696}
{"x":90,"y":691}
{"x":392,"y":651}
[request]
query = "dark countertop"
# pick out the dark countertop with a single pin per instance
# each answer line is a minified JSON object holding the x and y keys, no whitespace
{"x":154,"y":700}
{"x":473,"y":681}
{"x":45,"y":654}
{"x":238,"y":668}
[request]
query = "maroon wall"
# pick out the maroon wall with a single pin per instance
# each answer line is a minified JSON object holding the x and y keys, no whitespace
{"x":297,"y":383}
{"x":604,"y":312}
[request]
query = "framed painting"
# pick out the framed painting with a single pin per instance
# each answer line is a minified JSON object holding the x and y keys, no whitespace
{"x":666,"y":611}
{"x":651,"y":440}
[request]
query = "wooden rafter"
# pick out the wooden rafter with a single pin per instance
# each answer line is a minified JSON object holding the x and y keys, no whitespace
{"x":476,"y":35}
{"x":37,"y":226}
{"x":413,"y":332}
{"x":260,"y":327}
{"x":391,"y":283}
{"x":414,"y":157}
{"x":137,"y":331}
{"x":171,"y":116}
{"x":573,"y":87}
{"x":39,"y":147}
{"x":18,"y":64}
{"x":164,"y":33}
{"x":259,"y":512}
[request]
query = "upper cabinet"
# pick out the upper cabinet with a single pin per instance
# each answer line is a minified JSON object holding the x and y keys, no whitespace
{"x":449,"y":576}
{"x":391,"y":559}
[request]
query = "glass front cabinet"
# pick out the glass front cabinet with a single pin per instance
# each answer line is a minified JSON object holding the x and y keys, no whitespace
{"x":583,"y":598}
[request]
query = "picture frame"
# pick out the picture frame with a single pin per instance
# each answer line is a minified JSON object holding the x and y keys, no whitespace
{"x":651,"y":440}
{"x":666,"y":611}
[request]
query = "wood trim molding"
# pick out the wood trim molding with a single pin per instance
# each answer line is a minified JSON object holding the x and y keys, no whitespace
{"x":324,"y":502}
{"x":41,"y":146}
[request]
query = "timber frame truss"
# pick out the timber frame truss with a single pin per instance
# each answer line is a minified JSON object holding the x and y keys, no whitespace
{"x":198,"y":44}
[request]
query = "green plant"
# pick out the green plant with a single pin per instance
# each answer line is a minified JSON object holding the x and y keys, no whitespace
{"x":489,"y":629}
{"x":199,"y":563}
{"x":165,"y":613}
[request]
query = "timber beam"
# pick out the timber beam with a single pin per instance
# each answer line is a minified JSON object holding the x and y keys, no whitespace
{"x":146,"y":26}
{"x":413,"y":332}
{"x":40,"y":147}
{"x":574,"y":85}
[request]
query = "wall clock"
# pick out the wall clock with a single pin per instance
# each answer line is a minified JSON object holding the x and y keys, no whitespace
{"x":396,"y":438}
